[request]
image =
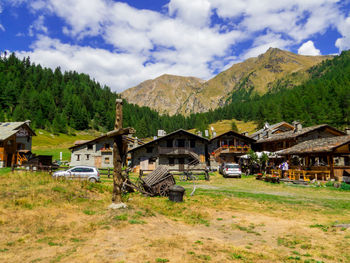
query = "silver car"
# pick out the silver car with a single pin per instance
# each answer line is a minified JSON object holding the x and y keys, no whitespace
{"x":231,"y":170}
{"x":89,"y":173}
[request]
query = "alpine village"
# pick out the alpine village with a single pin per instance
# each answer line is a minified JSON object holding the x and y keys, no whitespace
{"x":252,"y":165}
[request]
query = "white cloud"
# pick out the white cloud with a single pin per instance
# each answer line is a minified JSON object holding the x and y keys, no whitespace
{"x":309,"y":49}
{"x":343,"y":43}
{"x":38,"y":26}
{"x":194,"y":12}
{"x":183,"y":39}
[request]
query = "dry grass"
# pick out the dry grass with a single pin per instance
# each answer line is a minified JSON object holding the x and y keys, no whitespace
{"x":227,"y":220}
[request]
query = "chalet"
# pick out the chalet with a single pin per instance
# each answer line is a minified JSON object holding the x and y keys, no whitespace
{"x":228,"y":146}
{"x":15,"y":142}
{"x":272,"y":129}
{"x":284,"y":140}
{"x":330,"y":155}
{"x":178,"y":150}
{"x":97,"y":152}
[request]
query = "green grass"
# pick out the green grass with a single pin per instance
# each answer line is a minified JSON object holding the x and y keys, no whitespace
{"x":46,"y":143}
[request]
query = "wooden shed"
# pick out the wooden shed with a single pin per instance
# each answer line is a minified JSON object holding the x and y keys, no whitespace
{"x":15,"y":139}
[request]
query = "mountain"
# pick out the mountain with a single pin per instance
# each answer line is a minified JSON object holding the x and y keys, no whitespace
{"x":165,"y":94}
{"x":185,"y":95}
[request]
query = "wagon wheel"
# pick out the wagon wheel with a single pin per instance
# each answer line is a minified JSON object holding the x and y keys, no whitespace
{"x":139,"y":184}
{"x":164,"y":189}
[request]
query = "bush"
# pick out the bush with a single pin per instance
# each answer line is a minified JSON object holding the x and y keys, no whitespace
{"x":345,"y":186}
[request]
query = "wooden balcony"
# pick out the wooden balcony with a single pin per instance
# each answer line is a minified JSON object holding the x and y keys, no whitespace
{"x":231,"y":149}
{"x":177,"y":151}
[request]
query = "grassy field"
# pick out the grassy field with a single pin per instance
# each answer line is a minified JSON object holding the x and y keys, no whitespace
{"x":225,"y":126}
{"x":226,"y":220}
{"x":46,"y":143}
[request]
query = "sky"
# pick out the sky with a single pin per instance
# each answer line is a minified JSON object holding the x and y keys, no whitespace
{"x":122,"y":43}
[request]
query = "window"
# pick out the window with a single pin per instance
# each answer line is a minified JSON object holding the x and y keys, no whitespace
{"x":107,"y":146}
{"x":181,"y":160}
{"x":87,"y":157}
{"x":181,"y":143}
{"x":171,"y":161}
{"x":192,"y":143}
{"x":78,"y":157}
{"x":90,"y":147}
{"x":149,"y":149}
{"x":169,"y":143}
{"x":107,"y":161}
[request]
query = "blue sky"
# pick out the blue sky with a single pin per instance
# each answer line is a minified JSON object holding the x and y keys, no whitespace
{"x":122,"y":43}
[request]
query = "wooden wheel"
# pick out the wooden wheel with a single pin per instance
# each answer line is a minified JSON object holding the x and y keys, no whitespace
{"x":164,"y":189}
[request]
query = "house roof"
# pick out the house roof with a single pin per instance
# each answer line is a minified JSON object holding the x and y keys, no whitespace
{"x":7,"y":129}
{"x":272,"y":127}
{"x":168,"y":135}
{"x":294,"y":134}
{"x":84,"y":142}
{"x":235,"y":134}
{"x":322,"y":145}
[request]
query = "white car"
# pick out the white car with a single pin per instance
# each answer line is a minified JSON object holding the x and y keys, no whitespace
{"x":231,"y":170}
{"x":89,"y":173}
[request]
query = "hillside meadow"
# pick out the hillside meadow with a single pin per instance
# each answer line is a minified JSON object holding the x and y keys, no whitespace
{"x":226,"y":220}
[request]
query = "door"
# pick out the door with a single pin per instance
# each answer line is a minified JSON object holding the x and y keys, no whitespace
{"x":9,"y":159}
{"x":181,"y":164}
{"x":144,"y":163}
{"x":98,"y":161}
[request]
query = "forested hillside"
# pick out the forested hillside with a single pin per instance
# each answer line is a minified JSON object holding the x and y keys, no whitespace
{"x":325,"y":98}
{"x":58,"y":101}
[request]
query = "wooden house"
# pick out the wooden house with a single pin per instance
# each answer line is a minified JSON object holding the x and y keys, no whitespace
{"x":321,"y":157}
{"x":178,"y":150}
{"x":284,"y":140}
{"x":98,"y":152}
{"x":15,"y":142}
{"x":228,"y":147}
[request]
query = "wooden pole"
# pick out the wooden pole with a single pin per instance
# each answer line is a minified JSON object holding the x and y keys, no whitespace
{"x":118,"y":154}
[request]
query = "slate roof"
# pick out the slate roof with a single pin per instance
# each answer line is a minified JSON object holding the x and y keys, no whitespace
{"x":272,"y":128}
{"x":7,"y":129}
{"x":235,"y":134}
{"x":293,"y":134}
{"x":322,"y":145}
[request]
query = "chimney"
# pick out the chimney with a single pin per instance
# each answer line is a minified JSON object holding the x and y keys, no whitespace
{"x":269,"y":133}
{"x":347,"y":131}
{"x":244,"y":133}
{"x":297,"y":126}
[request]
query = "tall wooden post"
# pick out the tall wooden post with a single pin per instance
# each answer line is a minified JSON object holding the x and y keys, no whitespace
{"x":118,"y":153}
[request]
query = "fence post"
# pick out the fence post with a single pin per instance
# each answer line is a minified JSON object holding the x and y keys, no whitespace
{"x":141,"y":173}
{"x":13,"y":168}
{"x":207,"y":178}
{"x":109,"y":172}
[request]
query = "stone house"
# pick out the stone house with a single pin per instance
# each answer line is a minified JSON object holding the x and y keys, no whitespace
{"x":97,"y":152}
{"x":178,"y":150}
{"x":15,"y":142}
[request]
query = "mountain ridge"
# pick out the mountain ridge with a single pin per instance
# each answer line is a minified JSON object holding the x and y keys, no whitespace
{"x":183,"y":95}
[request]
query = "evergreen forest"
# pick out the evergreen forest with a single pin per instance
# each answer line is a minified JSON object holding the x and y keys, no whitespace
{"x":61,"y":101}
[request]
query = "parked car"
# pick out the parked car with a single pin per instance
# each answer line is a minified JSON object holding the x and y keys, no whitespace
{"x":89,"y":173}
{"x":231,"y":170}
{"x":221,"y":168}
